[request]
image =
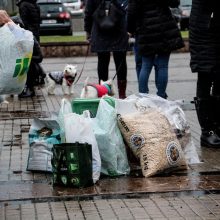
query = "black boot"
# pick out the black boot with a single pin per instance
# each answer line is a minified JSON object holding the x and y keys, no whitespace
{"x":204,"y":109}
{"x":122,"y":84}
{"x":216,"y":108}
{"x":27,"y":92}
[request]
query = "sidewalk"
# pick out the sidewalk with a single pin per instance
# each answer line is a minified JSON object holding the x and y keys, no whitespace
{"x":189,"y":194}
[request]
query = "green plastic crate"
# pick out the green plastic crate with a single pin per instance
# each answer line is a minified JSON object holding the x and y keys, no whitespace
{"x":79,"y":105}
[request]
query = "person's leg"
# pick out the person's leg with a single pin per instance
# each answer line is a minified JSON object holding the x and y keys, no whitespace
{"x":146,"y":67}
{"x":216,"y":100}
{"x":161,"y":73}
{"x":103,"y":65}
{"x":121,"y":71}
{"x":28,"y":90}
{"x":205,"y":110}
{"x":204,"y":85}
{"x":216,"y":84}
{"x":138,"y":60}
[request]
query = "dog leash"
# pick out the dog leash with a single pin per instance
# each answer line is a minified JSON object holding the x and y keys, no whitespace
{"x":87,"y":53}
{"x":117,"y":71}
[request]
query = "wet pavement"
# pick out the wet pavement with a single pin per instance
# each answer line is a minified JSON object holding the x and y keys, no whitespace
{"x":186,"y":194}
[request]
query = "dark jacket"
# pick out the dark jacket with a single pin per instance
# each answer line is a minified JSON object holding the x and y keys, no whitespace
{"x":30,"y":14}
{"x":205,"y":36}
{"x":154,"y":26}
{"x":103,"y":41}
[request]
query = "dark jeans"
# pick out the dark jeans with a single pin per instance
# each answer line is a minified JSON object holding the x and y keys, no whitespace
{"x":138,"y":59}
{"x":208,"y":84}
{"x":120,"y":64}
{"x":160,"y":64}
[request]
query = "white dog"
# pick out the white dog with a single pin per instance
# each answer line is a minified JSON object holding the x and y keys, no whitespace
{"x":65,"y":79}
{"x":97,"y":90}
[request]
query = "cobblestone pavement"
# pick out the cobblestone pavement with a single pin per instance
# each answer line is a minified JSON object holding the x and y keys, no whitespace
{"x":155,"y":206}
{"x":189,"y":194}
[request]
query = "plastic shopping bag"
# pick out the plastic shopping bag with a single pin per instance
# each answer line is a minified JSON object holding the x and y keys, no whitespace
{"x":64,"y":109}
{"x":16,"y":48}
{"x":78,"y":128}
{"x":43,"y":135}
{"x":172,"y":111}
{"x":110,"y":141}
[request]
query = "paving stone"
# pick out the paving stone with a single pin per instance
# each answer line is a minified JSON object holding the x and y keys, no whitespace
{"x":19,"y":186}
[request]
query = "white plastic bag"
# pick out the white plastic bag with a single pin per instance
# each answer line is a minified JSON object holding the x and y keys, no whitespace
{"x":16,"y":48}
{"x":110,"y":142}
{"x":64,"y":109}
{"x":78,"y":128}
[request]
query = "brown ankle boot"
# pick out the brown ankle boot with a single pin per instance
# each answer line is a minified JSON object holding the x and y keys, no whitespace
{"x":122,"y":84}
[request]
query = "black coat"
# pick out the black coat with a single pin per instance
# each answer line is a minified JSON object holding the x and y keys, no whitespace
{"x":205,"y":36}
{"x":30,"y":15}
{"x":154,"y":26}
{"x":102,"y":41}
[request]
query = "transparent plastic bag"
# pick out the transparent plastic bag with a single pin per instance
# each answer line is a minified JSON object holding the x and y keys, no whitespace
{"x":173,"y":113}
{"x":110,"y":142}
{"x":16,"y":48}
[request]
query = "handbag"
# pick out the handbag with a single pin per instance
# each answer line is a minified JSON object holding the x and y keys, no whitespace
{"x":108,"y":18}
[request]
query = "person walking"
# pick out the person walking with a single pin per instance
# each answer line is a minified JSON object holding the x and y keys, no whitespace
{"x":204,"y":39}
{"x":29,"y":12}
{"x":104,"y":41}
{"x":157,"y":34}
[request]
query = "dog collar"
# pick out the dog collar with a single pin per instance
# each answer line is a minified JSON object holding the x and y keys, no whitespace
{"x":108,"y":87}
{"x":69,"y":79}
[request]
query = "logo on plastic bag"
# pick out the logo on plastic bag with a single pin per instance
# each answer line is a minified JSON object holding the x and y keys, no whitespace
{"x":22,"y":66}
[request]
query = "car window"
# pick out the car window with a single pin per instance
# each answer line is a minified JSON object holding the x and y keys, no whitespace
{"x":50,"y":8}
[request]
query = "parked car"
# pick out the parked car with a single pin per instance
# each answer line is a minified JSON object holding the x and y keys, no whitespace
{"x":182,"y":13}
{"x":55,"y":18}
{"x":75,"y":7}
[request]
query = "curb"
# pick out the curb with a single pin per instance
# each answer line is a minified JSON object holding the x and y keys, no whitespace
{"x":71,"y":49}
